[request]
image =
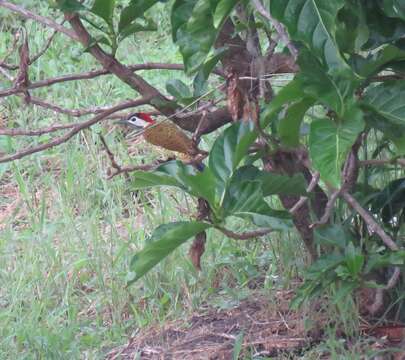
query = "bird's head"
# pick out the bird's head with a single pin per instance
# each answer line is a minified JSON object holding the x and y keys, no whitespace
{"x":138,"y":121}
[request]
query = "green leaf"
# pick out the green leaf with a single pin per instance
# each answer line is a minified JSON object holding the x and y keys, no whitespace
{"x":382,"y":29}
{"x":229,"y":149}
{"x":222,"y":11}
{"x":354,"y":260}
{"x":145,"y":25}
{"x":133,"y":11}
{"x":344,"y":289}
{"x":197,"y":183}
{"x":271,"y":183}
{"x":181,"y":13}
{"x":334,"y":90}
{"x":185,"y":177}
{"x":289,"y":126}
{"x":312,"y":22}
{"x":104,"y":9}
{"x":178,"y":89}
{"x":393,"y":8}
{"x":377,"y":61}
{"x":237,"y":347}
{"x":206,"y":69}
{"x":70,"y":5}
{"x":352,"y":31}
{"x":330,"y":142}
{"x":165,"y":239}
{"x":334,"y":235}
{"x":385,"y":102}
{"x":245,"y":199}
{"x":293,"y":91}
{"x":196,"y":36}
{"x":377,"y":261}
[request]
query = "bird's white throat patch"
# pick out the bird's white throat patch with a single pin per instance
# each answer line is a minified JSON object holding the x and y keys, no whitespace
{"x":136,"y":121}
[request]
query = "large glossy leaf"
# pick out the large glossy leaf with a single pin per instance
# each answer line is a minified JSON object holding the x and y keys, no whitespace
{"x":330,"y":142}
{"x":222,"y":11}
{"x":387,"y":102}
{"x":352,"y":31}
{"x":393,"y":8}
{"x":335,"y":235}
{"x":245,"y":199}
{"x":206,"y":69}
{"x":229,"y":149}
{"x":293,"y":91}
{"x":383,"y":29}
{"x":197,"y":183}
{"x":134,"y":10}
{"x":165,"y":239}
{"x":104,"y":9}
{"x":271,"y":183}
{"x":193,"y":28}
{"x":181,"y":13}
{"x":144,"y":24}
{"x":290,"y":124}
{"x":185,"y":177}
{"x":196,"y":36}
{"x":333,"y":90}
{"x":70,"y":5}
{"x":377,"y":61}
{"x":178,"y":89}
{"x":312,"y":22}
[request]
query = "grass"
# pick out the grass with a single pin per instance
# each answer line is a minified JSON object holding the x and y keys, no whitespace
{"x":67,"y":234}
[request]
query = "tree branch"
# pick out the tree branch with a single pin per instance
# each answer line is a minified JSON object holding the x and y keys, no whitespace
{"x":278,"y":26}
{"x":95,"y":73}
{"x":244,"y":235}
{"x":84,"y":125}
{"x":39,"y":18}
{"x":370,"y":221}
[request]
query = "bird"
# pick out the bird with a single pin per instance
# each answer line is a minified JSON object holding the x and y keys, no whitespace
{"x":166,"y":135}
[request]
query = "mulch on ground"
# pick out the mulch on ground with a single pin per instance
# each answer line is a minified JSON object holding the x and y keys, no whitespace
{"x":263,"y":327}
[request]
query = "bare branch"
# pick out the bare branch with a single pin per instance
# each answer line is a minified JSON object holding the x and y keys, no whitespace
{"x":278,"y":26}
{"x":3,"y":63}
{"x":39,"y":18}
{"x":90,"y":75}
{"x":328,"y":209}
{"x":131,"y":168}
{"x":5,"y":73}
{"x":370,"y":221}
{"x":244,"y":235}
{"x":84,"y":125}
{"x":310,"y":188}
{"x":45,"y":48}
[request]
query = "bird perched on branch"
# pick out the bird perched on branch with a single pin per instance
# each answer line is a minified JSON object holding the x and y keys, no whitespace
{"x":164,"y":134}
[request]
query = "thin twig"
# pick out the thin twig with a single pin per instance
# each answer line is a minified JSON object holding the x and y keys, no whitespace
{"x":244,"y":235}
{"x":310,"y":188}
{"x":46,"y":47}
{"x":81,"y":126}
{"x":370,"y":221}
{"x":57,"y":127}
{"x":39,"y":18}
{"x":90,"y":75}
{"x":328,"y":209}
{"x":131,"y":168}
{"x":278,"y":26}
{"x":3,"y":63}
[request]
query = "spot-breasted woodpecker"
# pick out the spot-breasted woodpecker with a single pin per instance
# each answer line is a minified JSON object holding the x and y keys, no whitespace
{"x":165,"y":134}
